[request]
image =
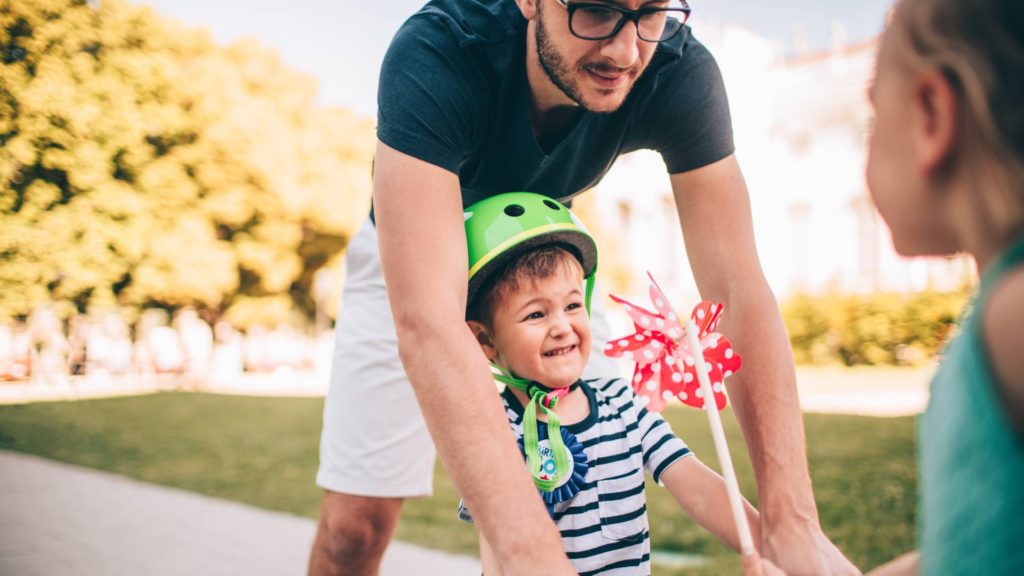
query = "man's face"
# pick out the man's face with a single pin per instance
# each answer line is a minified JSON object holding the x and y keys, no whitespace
{"x":596,"y":74}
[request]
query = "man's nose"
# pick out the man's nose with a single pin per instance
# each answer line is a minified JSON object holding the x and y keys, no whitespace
{"x":622,"y":48}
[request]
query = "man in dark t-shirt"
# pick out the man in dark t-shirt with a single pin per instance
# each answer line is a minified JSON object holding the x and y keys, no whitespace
{"x":479,"y":97}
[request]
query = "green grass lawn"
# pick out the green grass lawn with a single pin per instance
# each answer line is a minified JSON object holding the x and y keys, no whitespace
{"x":263,"y":451}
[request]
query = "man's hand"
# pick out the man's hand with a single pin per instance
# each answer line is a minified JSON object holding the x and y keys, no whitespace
{"x":754,"y":565}
{"x":805,"y":551}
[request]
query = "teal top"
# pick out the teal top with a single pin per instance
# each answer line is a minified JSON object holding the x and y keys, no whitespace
{"x":971,"y":461}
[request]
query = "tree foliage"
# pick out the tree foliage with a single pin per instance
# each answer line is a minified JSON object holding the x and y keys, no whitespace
{"x":144,"y":165}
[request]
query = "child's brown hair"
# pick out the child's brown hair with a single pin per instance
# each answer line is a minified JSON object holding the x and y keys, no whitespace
{"x":532,"y":266}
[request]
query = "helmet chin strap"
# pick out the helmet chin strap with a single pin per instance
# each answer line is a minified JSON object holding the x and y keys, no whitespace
{"x":589,"y":290}
{"x":543,"y":399}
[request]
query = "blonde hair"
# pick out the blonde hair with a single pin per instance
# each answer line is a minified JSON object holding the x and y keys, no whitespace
{"x":978,"y":45}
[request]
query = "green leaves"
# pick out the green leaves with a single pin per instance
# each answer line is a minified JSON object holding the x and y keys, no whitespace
{"x":141,"y":164}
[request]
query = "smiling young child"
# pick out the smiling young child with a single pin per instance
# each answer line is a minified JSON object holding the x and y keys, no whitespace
{"x":946,"y":171}
{"x":531,"y":275}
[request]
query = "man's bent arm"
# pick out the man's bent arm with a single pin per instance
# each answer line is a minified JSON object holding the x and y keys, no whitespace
{"x":714,"y":213}
{"x":418,"y":212}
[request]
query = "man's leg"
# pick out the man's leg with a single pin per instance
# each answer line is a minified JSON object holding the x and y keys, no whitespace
{"x":375,"y":449}
{"x":353,"y":533}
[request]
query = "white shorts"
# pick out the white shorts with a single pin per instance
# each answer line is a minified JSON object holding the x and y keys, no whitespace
{"x":374,"y":440}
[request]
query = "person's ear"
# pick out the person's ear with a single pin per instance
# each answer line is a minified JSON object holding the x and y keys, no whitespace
{"x":937,"y":110}
{"x":483,"y":338}
{"x":528,"y":8}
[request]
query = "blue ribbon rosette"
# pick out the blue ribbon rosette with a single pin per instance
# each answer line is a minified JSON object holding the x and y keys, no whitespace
{"x":571,"y":483}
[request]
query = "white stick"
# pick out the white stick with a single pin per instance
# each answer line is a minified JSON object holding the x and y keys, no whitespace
{"x":721,"y":446}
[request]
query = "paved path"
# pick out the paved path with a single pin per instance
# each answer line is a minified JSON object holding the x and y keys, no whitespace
{"x":57,"y":519}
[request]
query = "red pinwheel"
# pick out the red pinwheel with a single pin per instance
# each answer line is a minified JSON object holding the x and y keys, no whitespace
{"x":660,"y":342}
{"x":666,"y":355}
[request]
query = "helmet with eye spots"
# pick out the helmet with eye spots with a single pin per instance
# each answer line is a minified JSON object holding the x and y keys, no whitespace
{"x":504,"y":226}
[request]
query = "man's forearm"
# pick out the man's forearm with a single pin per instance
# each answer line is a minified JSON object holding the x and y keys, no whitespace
{"x":764,"y":396}
{"x":456,"y":393}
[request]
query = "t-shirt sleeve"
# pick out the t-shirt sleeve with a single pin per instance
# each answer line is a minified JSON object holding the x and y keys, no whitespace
{"x":661,"y":447}
{"x":689,"y":119}
{"x":431,"y":93}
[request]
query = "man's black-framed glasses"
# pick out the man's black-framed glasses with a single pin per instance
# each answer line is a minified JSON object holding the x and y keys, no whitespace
{"x":593,"y":21}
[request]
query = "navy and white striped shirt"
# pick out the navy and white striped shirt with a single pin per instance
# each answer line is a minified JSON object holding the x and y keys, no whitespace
{"x":604,"y":527}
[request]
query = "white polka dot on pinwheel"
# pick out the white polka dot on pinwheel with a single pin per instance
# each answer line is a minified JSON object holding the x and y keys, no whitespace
{"x":688,"y":377}
{"x":701,"y":314}
{"x":717,"y":386}
{"x":623,"y":342}
{"x":645,"y":320}
{"x":638,"y":337}
{"x":689,"y":360}
{"x":648,"y":354}
{"x":637,"y":377}
{"x":672,"y":316}
{"x":652,"y":385}
{"x":656,"y":367}
{"x":700,"y":393}
{"x":707,"y":366}
{"x":659,"y":322}
{"x":670,"y":359}
{"x":683,"y":395}
{"x":728,"y":373}
{"x":659,"y":302}
{"x":677,"y":377}
{"x":667,"y":395}
{"x":729,"y":353}
{"x":655,"y":344}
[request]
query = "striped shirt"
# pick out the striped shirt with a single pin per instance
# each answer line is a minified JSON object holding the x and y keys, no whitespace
{"x":604,"y":527}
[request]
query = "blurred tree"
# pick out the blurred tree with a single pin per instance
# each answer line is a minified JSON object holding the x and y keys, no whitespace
{"x":142,"y":164}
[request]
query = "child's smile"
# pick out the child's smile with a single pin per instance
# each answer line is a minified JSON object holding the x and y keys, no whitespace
{"x":541,"y":331}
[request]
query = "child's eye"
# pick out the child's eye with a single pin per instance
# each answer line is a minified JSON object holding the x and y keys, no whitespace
{"x":574,"y":306}
{"x":534,"y":316}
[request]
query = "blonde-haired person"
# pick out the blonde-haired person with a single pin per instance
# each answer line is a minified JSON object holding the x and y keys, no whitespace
{"x":946,"y":171}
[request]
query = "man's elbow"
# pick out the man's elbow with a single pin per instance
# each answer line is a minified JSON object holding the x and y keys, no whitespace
{"x":423,"y":329}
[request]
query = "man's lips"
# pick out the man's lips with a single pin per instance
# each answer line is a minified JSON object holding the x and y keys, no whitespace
{"x":560,"y":351}
{"x":609,"y":78}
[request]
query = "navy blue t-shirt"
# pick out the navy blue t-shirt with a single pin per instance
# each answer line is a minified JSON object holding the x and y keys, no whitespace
{"x":453,"y":92}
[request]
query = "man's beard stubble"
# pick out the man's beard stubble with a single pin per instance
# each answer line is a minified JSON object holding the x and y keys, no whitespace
{"x":559,"y":73}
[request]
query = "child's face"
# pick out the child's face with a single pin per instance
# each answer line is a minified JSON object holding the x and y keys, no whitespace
{"x":897,"y":174}
{"x":541,"y":332}
{"x":889,"y":166}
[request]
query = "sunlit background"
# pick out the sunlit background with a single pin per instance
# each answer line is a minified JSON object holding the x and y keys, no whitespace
{"x":182,"y":178}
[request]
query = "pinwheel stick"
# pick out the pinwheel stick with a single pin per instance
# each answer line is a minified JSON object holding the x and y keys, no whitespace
{"x":721,"y":446}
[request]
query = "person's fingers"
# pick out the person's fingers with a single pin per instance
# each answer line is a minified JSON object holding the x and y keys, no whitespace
{"x":752,"y":565}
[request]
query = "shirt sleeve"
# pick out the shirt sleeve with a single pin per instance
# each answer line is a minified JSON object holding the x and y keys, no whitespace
{"x":688,"y":114}
{"x":431,"y":93}
{"x":661,"y":447}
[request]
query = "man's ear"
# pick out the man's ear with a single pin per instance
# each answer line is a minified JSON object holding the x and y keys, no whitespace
{"x":528,"y":8}
{"x":937,"y":109}
{"x":483,"y":338}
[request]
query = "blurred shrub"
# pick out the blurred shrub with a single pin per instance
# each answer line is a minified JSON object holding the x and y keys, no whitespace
{"x":875,"y":329}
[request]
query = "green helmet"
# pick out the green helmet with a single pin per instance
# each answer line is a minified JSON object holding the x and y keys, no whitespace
{"x":504,"y":226}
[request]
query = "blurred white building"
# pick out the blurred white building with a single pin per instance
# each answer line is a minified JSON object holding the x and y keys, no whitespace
{"x":801,"y":125}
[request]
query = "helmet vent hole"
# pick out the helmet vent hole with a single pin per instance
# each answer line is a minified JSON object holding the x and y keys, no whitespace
{"x":551,"y":204}
{"x":514,"y":210}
